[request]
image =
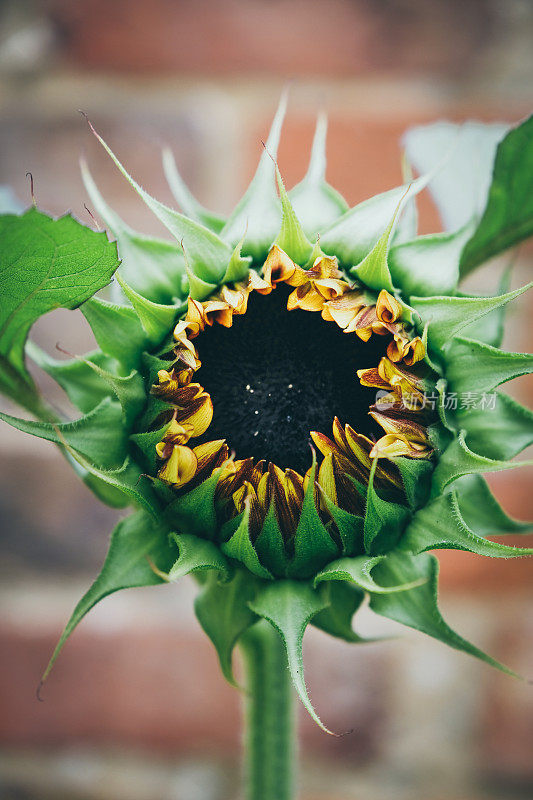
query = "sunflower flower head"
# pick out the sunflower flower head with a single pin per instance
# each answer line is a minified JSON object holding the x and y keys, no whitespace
{"x":281,"y":396}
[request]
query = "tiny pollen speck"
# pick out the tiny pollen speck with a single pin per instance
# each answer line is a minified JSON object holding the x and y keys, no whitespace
{"x":256,"y":433}
{"x":256,"y":412}
{"x":248,"y":387}
{"x":289,"y":386}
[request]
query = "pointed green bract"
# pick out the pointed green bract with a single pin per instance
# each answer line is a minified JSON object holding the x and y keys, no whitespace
{"x":447,"y":316}
{"x":156,"y":319}
{"x":474,"y":364}
{"x":510,"y":425}
{"x":343,"y":601}
{"x":384,"y":521}
{"x":490,"y":328}
{"x":482,"y":512}
{"x":290,"y":606}
{"x":417,"y":608}
{"x":239,"y":266}
{"x":44,"y":264}
{"x":223,"y":611}
{"x":353,"y":235}
{"x":207,"y":252}
{"x":291,"y":237}
{"x":508,"y":216}
{"x":270,"y":545}
{"x":98,"y":436}
{"x":134,"y":540}
{"x":349,"y":526}
{"x":257,"y":215}
{"x":240,"y":548}
{"x":315,"y":202}
{"x":428,"y":265}
{"x":153,"y":267}
{"x":197,"y":555}
{"x":117,"y":330}
{"x":313,"y":546}
{"x":458,"y":460}
{"x":194,"y":511}
{"x":128,"y":389}
{"x":185,"y":199}
{"x":416,"y":478}
{"x":440,"y":525}
{"x":359,"y":571}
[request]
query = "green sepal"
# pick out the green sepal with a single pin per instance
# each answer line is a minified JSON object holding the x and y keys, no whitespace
{"x":134,"y":540}
{"x":313,"y":545}
{"x":127,"y":479}
{"x":417,"y":608}
{"x":373,"y":271}
{"x":44,"y":264}
{"x":257,"y":215}
{"x":223,"y":610}
{"x":239,"y":266}
{"x":98,"y":435}
{"x":146,"y":442}
{"x":83,"y":386}
{"x":428,"y":265}
{"x":440,"y":525}
{"x":290,"y":606}
{"x":206,"y":250}
{"x":473,"y":364}
{"x":358,"y":571}
{"x":128,"y":389}
{"x":157,"y":319}
{"x":416,"y":478}
{"x":197,"y":555}
{"x":315,"y":202}
{"x":458,"y":460}
{"x":508,"y":216}
{"x":291,"y":237}
{"x":343,"y":601}
{"x":153,"y":267}
{"x":510,"y":425}
{"x":447,"y":316}
{"x":349,"y":526}
{"x":198,"y":288}
{"x":482,"y":512}
{"x":352,"y":236}
{"x":384,"y":521}
{"x":117,"y":331}
{"x":241,"y":549}
{"x":195,"y":511}
{"x":185,"y":199}
{"x":270,"y":546}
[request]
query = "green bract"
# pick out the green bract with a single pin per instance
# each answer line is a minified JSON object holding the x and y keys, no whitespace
{"x":335,"y":555}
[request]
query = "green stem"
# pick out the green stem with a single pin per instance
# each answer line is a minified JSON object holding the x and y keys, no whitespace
{"x":270,"y":746}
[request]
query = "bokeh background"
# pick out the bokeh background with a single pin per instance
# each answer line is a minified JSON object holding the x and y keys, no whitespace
{"x":136,"y":708}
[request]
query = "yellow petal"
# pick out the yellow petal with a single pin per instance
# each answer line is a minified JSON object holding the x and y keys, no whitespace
{"x":388,"y":309}
{"x":180,"y":467}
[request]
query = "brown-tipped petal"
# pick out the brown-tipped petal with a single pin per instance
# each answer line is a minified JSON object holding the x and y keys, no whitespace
{"x":388,"y":309}
{"x":310,"y":300}
{"x":393,"y":445}
{"x":264,"y":491}
{"x":198,"y":414}
{"x":326,"y":478}
{"x":359,"y":445}
{"x":278,"y":266}
{"x":415,"y":352}
{"x":178,"y":434}
{"x":371,"y":377}
{"x":400,"y":426}
{"x":211,"y":454}
{"x":325,"y":445}
{"x":398,"y":348}
{"x":258,"y":284}
{"x":180,"y":467}
{"x":330,"y":287}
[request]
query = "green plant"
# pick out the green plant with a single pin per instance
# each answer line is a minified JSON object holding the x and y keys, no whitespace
{"x":303,"y":544}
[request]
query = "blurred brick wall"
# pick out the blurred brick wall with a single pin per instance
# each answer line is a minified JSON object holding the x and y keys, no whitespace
{"x":137,"y":688}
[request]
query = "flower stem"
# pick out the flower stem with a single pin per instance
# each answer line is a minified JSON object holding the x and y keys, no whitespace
{"x":270,"y":745}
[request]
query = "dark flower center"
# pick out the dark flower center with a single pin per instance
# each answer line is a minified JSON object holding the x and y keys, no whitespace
{"x":275,"y":375}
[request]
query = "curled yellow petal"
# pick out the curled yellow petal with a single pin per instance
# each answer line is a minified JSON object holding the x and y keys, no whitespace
{"x":388,"y":309}
{"x":180,"y":467}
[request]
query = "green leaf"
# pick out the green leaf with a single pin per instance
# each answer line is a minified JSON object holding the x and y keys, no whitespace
{"x":417,"y":608}
{"x":440,"y":525}
{"x":257,"y":215}
{"x":99,"y":435}
{"x":352,"y":236}
{"x":153,"y":267}
{"x":313,"y":545}
{"x":447,"y":316}
{"x":194,"y":511}
{"x":241,"y":549}
{"x":315,"y":202}
{"x":498,"y":431}
{"x":223,"y":611}
{"x":290,"y":606}
{"x":197,"y":555}
{"x":156,"y":319}
{"x":84,"y":387}
{"x":134,"y":540}
{"x":358,"y":571}
{"x":291,"y":237}
{"x":384,"y":521}
{"x":458,"y":460}
{"x":117,"y":331}
{"x":508,"y":216}
{"x":471,"y":148}
{"x":343,"y":601}
{"x":184,"y":198}
{"x":428,"y":265}
{"x":482,"y":512}
{"x":207,"y":253}
{"x":474,"y":364}
{"x":416,"y":477}
{"x":44,"y":264}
